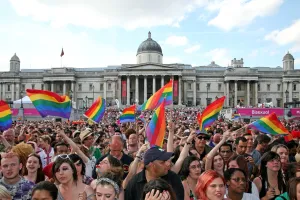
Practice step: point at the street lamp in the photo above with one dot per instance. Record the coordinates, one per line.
(86, 101)
(286, 96)
(21, 99)
(71, 95)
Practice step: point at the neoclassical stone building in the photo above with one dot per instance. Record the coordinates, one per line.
(130, 83)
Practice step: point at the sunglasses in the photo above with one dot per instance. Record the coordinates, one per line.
(202, 138)
(64, 156)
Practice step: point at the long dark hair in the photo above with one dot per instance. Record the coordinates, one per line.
(292, 187)
(64, 159)
(47, 186)
(39, 174)
(160, 185)
(268, 156)
(74, 157)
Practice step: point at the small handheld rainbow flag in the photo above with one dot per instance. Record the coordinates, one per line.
(210, 114)
(269, 125)
(49, 103)
(5, 116)
(166, 92)
(97, 110)
(236, 116)
(128, 114)
(156, 129)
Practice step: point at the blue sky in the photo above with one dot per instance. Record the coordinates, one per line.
(98, 33)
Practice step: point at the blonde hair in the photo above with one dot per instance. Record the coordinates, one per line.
(4, 193)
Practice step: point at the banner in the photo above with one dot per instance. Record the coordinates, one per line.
(175, 88)
(260, 111)
(124, 89)
(295, 112)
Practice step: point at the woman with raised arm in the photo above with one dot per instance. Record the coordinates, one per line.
(213, 159)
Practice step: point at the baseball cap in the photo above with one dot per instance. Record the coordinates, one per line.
(201, 133)
(156, 153)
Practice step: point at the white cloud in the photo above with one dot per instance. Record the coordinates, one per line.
(221, 56)
(289, 35)
(176, 40)
(192, 49)
(239, 13)
(129, 14)
(171, 60)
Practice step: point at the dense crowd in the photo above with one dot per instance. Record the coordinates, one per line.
(109, 161)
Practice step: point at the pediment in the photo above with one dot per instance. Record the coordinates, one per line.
(148, 67)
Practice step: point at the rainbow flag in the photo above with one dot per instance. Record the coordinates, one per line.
(97, 110)
(166, 92)
(5, 116)
(269, 125)
(128, 114)
(236, 116)
(156, 129)
(49, 103)
(210, 114)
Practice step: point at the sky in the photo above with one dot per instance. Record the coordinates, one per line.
(98, 33)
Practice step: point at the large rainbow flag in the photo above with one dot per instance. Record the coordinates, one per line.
(128, 114)
(210, 114)
(97, 110)
(49, 103)
(166, 92)
(156, 129)
(5, 116)
(269, 124)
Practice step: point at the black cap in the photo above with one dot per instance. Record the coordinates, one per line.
(156, 153)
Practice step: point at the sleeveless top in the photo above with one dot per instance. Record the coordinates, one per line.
(264, 189)
(192, 196)
(60, 197)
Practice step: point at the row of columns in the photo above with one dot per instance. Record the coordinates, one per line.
(145, 87)
(13, 87)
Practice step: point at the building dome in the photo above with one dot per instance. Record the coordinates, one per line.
(288, 56)
(15, 58)
(149, 45)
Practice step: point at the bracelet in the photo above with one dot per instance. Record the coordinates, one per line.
(188, 143)
(139, 157)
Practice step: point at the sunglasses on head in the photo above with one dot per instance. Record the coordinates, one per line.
(64, 156)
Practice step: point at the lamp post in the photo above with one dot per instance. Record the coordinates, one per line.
(21, 99)
(86, 101)
(233, 100)
(206, 94)
(286, 96)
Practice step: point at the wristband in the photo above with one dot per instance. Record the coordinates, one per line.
(188, 143)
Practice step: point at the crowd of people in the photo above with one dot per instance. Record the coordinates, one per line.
(48, 160)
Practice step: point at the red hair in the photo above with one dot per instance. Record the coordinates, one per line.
(203, 182)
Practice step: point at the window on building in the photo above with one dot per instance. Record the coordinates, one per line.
(278, 87)
(79, 87)
(294, 87)
(91, 87)
(189, 86)
(259, 100)
(219, 87)
(109, 86)
(101, 86)
(42, 86)
(198, 101)
(258, 87)
(32, 86)
(278, 102)
(80, 103)
(268, 100)
(8, 87)
(268, 87)
(208, 86)
(209, 101)
(23, 87)
(198, 86)
(61, 88)
(239, 87)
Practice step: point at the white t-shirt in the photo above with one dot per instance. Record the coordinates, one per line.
(44, 158)
(248, 196)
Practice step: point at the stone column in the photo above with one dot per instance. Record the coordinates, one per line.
(145, 89)
(3, 91)
(235, 93)
(255, 93)
(290, 84)
(104, 89)
(194, 93)
(299, 91)
(52, 86)
(128, 90)
(162, 80)
(154, 86)
(18, 90)
(248, 93)
(64, 88)
(179, 91)
(12, 91)
(137, 89)
(184, 92)
(227, 93)
(120, 89)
